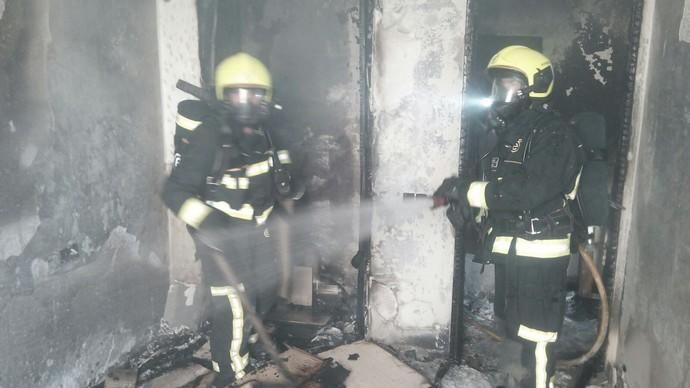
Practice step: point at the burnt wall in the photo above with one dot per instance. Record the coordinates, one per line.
(653, 339)
(82, 269)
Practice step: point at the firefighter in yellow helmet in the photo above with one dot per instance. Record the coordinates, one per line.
(522, 197)
(224, 185)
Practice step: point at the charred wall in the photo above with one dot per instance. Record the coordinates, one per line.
(83, 271)
(650, 341)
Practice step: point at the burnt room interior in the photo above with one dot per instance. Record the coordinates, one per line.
(378, 101)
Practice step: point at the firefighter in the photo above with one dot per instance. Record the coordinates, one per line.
(224, 185)
(527, 182)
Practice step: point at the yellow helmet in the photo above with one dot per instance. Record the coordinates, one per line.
(531, 64)
(242, 71)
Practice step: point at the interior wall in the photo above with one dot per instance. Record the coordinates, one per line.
(651, 337)
(311, 48)
(417, 82)
(178, 58)
(83, 272)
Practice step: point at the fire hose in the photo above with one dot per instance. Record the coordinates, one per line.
(604, 312)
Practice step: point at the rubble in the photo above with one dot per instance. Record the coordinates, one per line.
(169, 350)
(462, 376)
(327, 338)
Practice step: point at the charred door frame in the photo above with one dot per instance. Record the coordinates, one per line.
(615, 260)
(458, 291)
(363, 255)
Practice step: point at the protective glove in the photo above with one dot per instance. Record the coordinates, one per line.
(453, 192)
(459, 213)
(453, 189)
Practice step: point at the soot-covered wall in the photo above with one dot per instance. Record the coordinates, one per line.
(650, 337)
(83, 272)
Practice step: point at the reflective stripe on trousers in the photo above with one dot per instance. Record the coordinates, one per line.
(542, 340)
(238, 363)
(541, 249)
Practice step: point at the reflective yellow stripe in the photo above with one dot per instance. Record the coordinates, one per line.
(543, 249)
(571, 195)
(258, 168)
(223, 291)
(476, 194)
(216, 367)
(237, 362)
(237, 332)
(263, 217)
(502, 245)
(245, 213)
(284, 156)
(541, 360)
(193, 212)
(535, 335)
(187, 123)
(229, 182)
(542, 339)
(235, 183)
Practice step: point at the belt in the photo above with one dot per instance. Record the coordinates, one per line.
(555, 223)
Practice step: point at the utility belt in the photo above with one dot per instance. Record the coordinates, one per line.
(558, 222)
(546, 236)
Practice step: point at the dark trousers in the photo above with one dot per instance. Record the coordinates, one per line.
(530, 294)
(250, 254)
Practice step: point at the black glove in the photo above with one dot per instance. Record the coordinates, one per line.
(453, 189)
(459, 213)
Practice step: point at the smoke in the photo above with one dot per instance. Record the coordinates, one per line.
(325, 236)
(325, 230)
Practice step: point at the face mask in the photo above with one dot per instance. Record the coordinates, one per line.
(247, 106)
(509, 96)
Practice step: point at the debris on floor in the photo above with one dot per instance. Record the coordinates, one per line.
(178, 377)
(327, 338)
(500, 359)
(302, 367)
(170, 350)
(462, 376)
(319, 352)
(374, 367)
(121, 378)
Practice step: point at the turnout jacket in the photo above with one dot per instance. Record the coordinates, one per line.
(216, 179)
(528, 178)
